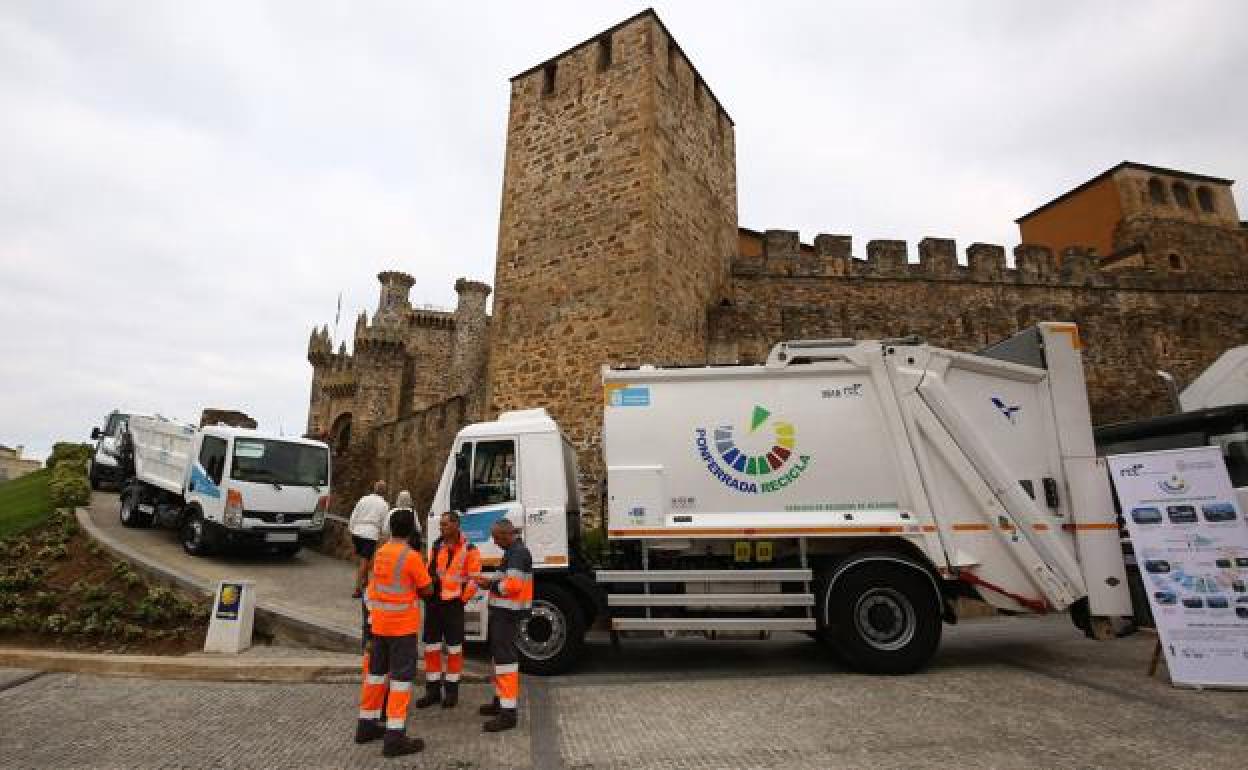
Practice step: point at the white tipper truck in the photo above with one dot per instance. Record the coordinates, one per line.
(221, 486)
(852, 490)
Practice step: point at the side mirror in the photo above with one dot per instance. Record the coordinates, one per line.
(95, 434)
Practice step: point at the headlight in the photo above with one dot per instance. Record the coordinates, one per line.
(233, 517)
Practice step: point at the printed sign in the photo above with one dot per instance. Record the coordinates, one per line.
(229, 600)
(476, 524)
(754, 462)
(1191, 544)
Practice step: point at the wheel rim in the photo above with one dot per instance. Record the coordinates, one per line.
(885, 618)
(543, 633)
(193, 535)
(127, 509)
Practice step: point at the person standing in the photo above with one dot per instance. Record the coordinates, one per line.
(399, 579)
(404, 502)
(456, 565)
(511, 598)
(365, 525)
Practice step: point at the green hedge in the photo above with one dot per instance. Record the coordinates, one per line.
(65, 453)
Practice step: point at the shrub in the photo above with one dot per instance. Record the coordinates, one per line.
(69, 491)
(52, 553)
(73, 457)
(55, 623)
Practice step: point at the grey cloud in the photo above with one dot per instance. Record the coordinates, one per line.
(186, 188)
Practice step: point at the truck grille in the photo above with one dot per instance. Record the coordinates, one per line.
(271, 517)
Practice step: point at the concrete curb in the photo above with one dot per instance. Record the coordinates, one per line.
(192, 667)
(196, 667)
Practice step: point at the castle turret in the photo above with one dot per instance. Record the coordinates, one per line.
(471, 344)
(393, 304)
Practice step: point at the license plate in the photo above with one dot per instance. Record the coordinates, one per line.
(281, 537)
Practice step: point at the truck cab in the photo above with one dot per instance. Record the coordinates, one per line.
(522, 468)
(224, 486)
(106, 463)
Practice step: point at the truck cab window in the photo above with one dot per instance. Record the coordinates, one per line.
(212, 457)
(493, 473)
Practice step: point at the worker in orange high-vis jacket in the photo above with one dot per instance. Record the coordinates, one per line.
(511, 598)
(456, 565)
(397, 582)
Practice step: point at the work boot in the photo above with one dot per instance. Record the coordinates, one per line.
(397, 744)
(450, 695)
(490, 709)
(505, 720)
(433, 694)
(368, 730)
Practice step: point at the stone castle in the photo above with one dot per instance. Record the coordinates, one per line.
(619, 244)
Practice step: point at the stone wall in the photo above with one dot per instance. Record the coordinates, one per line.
(618, 219)
(1132, 321)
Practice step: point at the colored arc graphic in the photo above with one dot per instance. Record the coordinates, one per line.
(756, 465)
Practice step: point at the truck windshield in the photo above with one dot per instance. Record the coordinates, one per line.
(280, 462)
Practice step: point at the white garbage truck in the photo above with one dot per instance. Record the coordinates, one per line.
(222, 486)
(852, 490)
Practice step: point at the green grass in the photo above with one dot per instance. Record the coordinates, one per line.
(24, 502)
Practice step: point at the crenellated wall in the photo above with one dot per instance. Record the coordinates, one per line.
(1133, 320)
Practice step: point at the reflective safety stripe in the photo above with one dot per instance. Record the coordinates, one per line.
(507, 703)
(518, 573)
(400, 686)
(506, 668)
(452, 677)
(396, 724)
(370, 713)
(455, 649)
(395, 586)
(375, 679)
(433, 676)
(509, 604)
(374, 604)
(433, 647)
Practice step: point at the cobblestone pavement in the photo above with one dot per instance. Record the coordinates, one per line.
(311, 584)
(1018, 692)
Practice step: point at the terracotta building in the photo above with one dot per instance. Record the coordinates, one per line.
(619, 244)
(1114, 214)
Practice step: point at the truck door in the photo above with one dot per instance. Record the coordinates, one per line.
(485, 490)
(207, 472)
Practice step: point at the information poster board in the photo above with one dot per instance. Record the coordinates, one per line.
(1191, 544)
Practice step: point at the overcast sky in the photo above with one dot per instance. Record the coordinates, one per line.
(186, 188)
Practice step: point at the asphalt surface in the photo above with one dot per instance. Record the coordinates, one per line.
(1011, 692)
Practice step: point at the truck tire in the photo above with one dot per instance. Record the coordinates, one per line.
(194, 534)
(129, 512)
(93, 478)
(552, 637)
(287, 551)
(882, 616)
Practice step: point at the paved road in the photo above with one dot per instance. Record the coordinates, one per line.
(1018, 692)
(311, 584)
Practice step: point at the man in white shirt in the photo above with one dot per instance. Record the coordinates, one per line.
(365, 526)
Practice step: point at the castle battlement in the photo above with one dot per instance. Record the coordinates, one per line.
(831, 256)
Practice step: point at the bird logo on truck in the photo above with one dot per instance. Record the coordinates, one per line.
(757, 462)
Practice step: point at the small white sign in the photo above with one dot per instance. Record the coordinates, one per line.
(233, 616)
(1191, 545)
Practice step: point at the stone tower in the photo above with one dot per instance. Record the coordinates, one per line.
(470, 346)
(618, 224)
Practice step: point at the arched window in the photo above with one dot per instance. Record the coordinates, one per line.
(1204, 196)
(340, 433)
(1182, 195)
(1176, 262)
(1156, 190)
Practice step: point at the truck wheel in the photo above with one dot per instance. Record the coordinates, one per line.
(552, 637)
(195, 539)
(93, 478)
(131, 516)
(882, 617)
